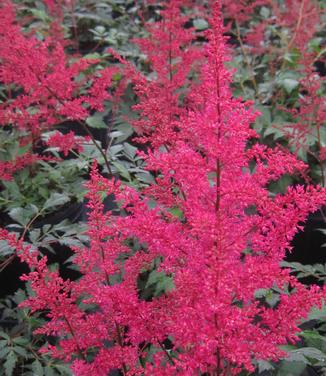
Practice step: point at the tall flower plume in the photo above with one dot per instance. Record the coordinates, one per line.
(221, 252)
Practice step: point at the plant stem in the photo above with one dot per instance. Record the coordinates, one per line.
(166, 352)
(74, 337)
(120, 342)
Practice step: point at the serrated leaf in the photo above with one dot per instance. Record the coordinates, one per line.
(34, 235)
(56, 199)
(289, 84)
(264, 12)
(116, 134)
(115, 149)
(4, 352)
(263, 365)
(63, 369)
(37, 368)
(23, 215)
(292, 368)
(161, 281)
(5, 249)
(23, 149)
(200, 24)
(3, 343)
(10, 363)
(122, 170)
(48, 371)
(130, 150)
(96, 121)
(164, 285)
(20, 351)
(272, 299)
(145, 177)
(21, 340)
(4, 335)
(305, 354)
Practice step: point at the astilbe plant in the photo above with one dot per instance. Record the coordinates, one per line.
(221, 251)
(303, 20)
(173, 55)
(285, 37)
(43, 85)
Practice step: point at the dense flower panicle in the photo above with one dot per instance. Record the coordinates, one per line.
(173, 55)
(65, 142)
(298, 22)
(46, 80)
(241, 10)
(44, 85)
(8, 168)
(301, 17)
(221, 250)
(310, 114)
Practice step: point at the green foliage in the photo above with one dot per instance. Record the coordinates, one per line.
(318, 271)
(42, 184)
(153, 283)
(19, 348)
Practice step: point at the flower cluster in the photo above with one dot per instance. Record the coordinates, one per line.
(173, 56)
(43, 84)
(208, 225)
(8, 168)
(65, 142)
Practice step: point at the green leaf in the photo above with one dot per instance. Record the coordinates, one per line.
(37, 368)
(122, 170)
(291, 368)
(306, 354)
(264, 120)
(264, 12)
(200, 24)
(289, 84)
(90, 56)
(115, 149)
(3, 343)
(10, 363)
(56, 199)
(4, 352)
(161, 281)
(272, 299)
(63, 369)
(49, 371)
(318, 314)
(4, 335)
(96, 121)
(20, 351)
(130, 150)
(23, 215)
(21, 341)
(24, 149)
(177, 212)
(263, 365)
